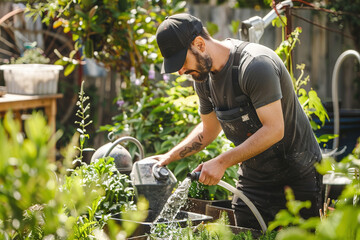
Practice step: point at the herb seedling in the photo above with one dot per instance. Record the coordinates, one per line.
(83, 123)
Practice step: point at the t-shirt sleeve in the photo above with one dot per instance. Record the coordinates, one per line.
(205, 106)
(261, 81)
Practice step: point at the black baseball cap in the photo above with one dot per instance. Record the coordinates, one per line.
(174, 36)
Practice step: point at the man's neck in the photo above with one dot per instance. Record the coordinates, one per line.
(219, 53)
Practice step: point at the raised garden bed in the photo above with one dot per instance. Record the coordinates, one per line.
(181, 218)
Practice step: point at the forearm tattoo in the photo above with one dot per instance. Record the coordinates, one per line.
(195, 146)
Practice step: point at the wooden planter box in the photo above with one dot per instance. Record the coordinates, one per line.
(236, 230)
(216, 212)
(181, 219)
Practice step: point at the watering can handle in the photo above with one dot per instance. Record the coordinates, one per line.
(122, 139)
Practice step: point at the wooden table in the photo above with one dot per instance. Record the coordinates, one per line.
(17, 103)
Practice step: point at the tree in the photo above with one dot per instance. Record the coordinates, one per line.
(119, 33)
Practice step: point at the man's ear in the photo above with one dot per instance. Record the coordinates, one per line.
(199, 44)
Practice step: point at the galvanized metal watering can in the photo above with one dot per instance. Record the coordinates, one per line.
(122, 158)
(153, 182)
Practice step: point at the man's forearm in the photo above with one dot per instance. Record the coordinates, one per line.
(192, 144)
(201, 136)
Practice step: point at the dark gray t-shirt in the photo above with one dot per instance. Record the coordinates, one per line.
(264, 79)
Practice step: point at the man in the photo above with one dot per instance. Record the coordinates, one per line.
(246, 91)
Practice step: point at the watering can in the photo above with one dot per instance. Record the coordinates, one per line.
(150, 180)
(154, 182)
(122, 158)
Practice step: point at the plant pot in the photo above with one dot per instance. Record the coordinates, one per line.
(31, 79)
(235, 230)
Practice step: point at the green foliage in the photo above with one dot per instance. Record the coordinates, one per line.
(291, 215)
(309, 100)
(117, 189)
(342, 222)
(217, 230)
(33, 55)
(287, 45)
(256, 4)
(311, 104)
(346, 12)
(31, 203)
(212, 28)
(37, 203)
(114, 194)
(234, 27)
(159, 119)
(118, 33)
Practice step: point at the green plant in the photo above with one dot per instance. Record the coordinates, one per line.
(83, 123)
(114, 195)
(256, 4)
(311, 104)
(217, 230)
(38, 199)
(117, 188)
(32, 55)
(31, 203)
(119, 34)
(158, 119)
(115, 191)
(342, 222)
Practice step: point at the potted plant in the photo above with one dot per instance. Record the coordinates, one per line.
(31, 74)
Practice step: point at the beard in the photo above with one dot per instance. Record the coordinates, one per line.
(203, 66)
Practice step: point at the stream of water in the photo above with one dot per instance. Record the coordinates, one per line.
(171, 209)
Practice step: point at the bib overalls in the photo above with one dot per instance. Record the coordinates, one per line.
(239, 124)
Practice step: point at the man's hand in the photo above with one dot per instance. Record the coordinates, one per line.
(211, 171)
(163, 159)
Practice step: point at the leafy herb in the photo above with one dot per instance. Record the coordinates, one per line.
(33, 55)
